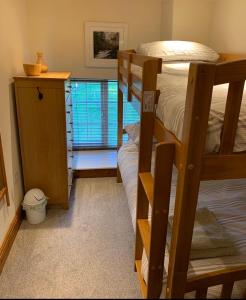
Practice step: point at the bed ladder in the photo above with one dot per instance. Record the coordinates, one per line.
(154, 192)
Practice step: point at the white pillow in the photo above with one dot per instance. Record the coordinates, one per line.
(178, 50)
(133, 132)
(176, 69)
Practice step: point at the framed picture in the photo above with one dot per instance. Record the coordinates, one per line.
(102, 41)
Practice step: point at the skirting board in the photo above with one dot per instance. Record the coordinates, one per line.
(93, 173)
(10, 237)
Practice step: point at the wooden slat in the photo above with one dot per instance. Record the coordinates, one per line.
(144, 229)
(137, 93)
(147, 182)
(232, 111)
(230, 72)
(136, 79)
(201, 293)
(231, 56)
(219, 167)
(124, 54)
(124, 72)
(140, 60)
(3, 193)
(225, 276)
(163, 135)
(143, 287)
(227, 290)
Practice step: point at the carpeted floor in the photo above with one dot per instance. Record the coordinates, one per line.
(86, 252)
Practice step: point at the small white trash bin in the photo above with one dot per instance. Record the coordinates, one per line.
(34, 204)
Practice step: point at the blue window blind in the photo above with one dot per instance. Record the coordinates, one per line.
(95, 113)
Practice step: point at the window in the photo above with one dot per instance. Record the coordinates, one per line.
(95, 114)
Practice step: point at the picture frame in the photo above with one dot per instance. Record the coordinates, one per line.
(102, 41)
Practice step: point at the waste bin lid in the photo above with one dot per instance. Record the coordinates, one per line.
(34, 197)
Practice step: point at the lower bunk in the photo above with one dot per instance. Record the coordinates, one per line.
(225, 199)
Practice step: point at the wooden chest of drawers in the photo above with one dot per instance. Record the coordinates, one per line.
(44, 110)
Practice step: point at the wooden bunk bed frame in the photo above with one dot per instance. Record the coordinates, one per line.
(192, 163)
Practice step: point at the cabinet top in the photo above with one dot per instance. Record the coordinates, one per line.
(49, 75)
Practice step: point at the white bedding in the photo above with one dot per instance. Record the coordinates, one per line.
(226, 199)
(171, 105)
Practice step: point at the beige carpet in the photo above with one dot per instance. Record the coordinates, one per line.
(86, 252)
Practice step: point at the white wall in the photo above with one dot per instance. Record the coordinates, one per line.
(57, 29)
(228, 29)
(167, 20)
(12, 54)
(192, 20)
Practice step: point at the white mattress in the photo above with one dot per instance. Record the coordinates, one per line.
(171, 105)
(226, 199)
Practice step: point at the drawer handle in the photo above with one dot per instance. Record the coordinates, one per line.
(69, 131)
(40, 95)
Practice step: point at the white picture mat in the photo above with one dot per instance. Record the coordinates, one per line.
(91, 27)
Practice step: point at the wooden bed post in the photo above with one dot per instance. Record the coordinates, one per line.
(145, 148)
(120, 113)
(198, 101)
(123, 57)
(120, 128)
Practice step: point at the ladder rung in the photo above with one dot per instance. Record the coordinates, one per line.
(143, 286)
(148, 185)
(144, 229)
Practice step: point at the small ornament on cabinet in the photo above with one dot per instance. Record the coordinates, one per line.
(40, 60)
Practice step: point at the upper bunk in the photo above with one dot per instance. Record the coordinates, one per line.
(207, 97)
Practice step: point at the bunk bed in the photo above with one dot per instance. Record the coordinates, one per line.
(167, 180)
